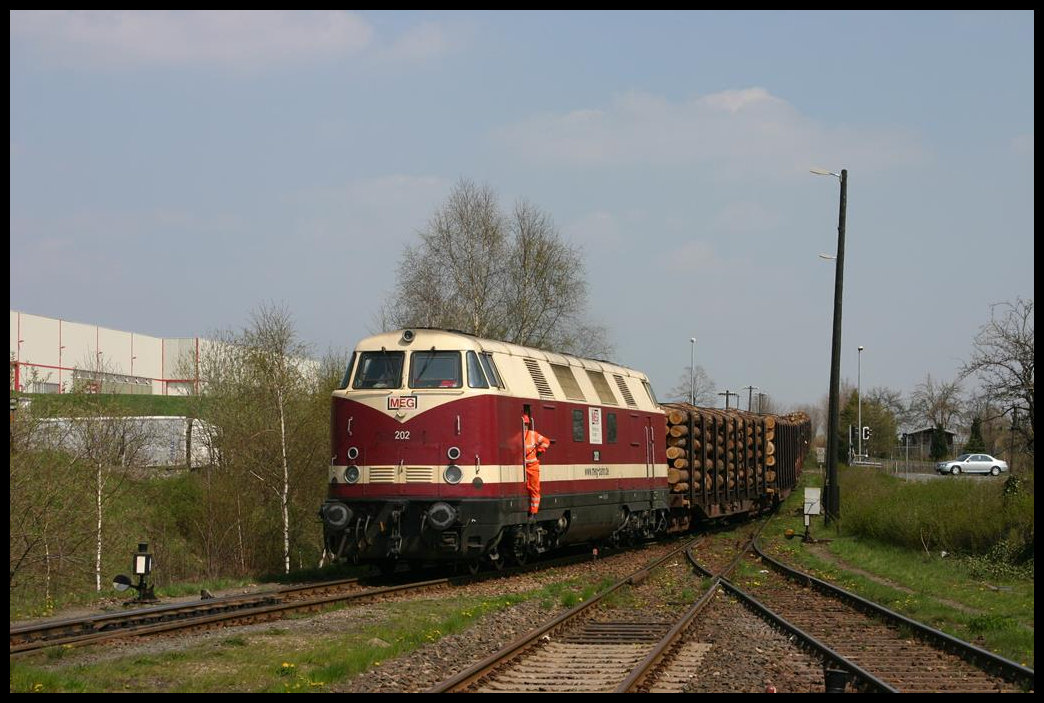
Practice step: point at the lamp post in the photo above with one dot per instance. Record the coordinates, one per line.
(692, 371)
(859, 398)
(832, 502)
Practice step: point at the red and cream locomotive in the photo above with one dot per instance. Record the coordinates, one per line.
(429, 461)
(428, 457)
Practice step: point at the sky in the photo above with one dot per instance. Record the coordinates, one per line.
(173, 171)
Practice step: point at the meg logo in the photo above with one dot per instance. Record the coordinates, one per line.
(402, 402)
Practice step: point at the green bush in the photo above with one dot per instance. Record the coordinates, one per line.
(981, 519)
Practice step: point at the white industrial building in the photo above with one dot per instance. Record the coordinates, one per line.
(50, 355)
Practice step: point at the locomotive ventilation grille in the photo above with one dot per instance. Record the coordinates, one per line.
(624, 390)
(409, 474)
(543, 387)
(420, 474)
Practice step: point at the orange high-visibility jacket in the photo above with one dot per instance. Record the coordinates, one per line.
(536, 444)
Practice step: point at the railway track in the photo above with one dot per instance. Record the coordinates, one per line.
(203, 614)
(593, 647)
(647, 633)
(654, 631)
(613, 641)
(869, 646)
(213, 613)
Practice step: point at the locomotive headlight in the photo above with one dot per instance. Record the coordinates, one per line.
(353, 452)
(351, 474)
(453, 474)
(337, 515)
(453, 453)
(441, 516)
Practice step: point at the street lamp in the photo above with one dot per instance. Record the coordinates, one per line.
(692, 371)
(832, 502)
(859, 399)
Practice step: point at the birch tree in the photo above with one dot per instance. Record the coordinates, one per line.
(268, 400)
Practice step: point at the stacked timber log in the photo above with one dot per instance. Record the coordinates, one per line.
(728, 457)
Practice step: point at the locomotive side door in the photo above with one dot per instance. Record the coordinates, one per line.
(650, 449)
(648, 438)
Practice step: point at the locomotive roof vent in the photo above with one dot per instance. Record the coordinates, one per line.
(407, 336)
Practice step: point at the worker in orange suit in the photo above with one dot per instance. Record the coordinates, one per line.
(535, 446)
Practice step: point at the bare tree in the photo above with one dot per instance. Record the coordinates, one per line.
(508, 277)
(937, 402)
(1003, 360)
(702, 388)
(890, 401)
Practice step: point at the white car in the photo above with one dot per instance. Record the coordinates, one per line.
(972, 464)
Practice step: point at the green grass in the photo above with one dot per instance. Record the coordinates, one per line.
(67, 404)
(981, 597)
(275, 660)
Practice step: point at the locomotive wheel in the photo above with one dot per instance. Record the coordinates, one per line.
(473, 566)
(519, 549)
(497, 560)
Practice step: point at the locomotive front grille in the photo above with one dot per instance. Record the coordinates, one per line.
(420, 474)
(408, 474)
(382, 474)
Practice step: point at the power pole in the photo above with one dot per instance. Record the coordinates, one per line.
(750, 395)
(727, 393)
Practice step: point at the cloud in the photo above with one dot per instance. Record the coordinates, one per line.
(426, 41)
(737, 132)
(691, 258)
(236, 38)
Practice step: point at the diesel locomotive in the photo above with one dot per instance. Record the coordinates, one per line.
(428, 459)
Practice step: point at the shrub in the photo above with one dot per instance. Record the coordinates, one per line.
(983, 519)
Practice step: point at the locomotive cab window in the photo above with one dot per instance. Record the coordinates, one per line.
(649, 390)
(491, 369)
(347, 373)
(380, 369)
(435, 369)
(476, 377)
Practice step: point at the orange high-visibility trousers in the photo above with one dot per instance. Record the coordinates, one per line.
(533, 486)
(534, 445)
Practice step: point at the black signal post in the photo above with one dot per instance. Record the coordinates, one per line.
(832, 497)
